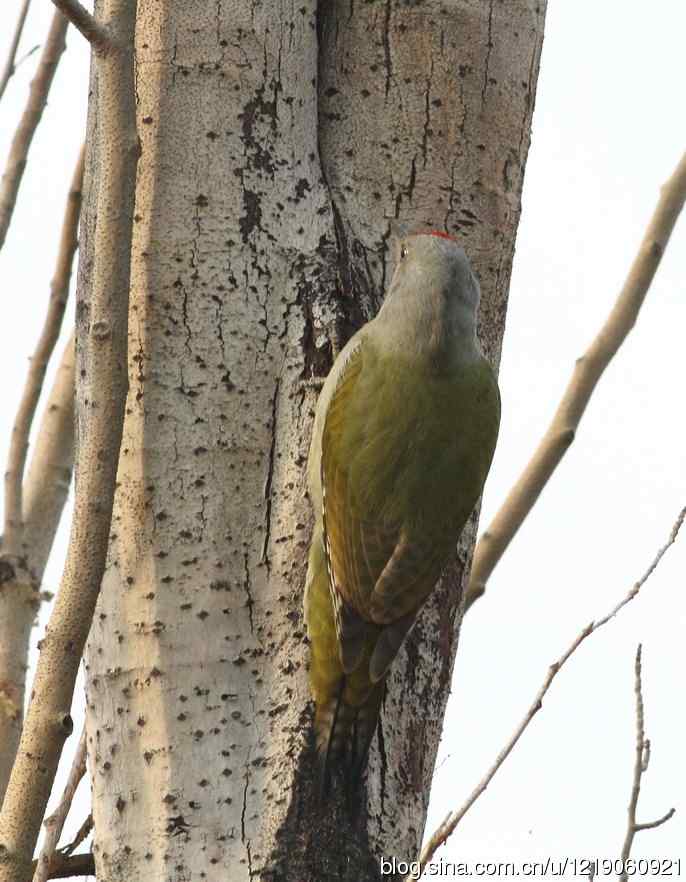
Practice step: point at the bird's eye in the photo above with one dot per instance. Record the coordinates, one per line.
(403, 252)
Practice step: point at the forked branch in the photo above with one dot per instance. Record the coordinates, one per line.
(642, 757)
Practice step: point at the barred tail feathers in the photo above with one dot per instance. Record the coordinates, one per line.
(345, 722)
(347, 706)
(366, 717)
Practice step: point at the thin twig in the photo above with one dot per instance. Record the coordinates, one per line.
(96, 33)
(82, 833)
(641, 760)
(55, 823)
(451, 821)
(10, 65)
(102, 336)
(585, 377)
(59, 293)
(26, 56)
(21, 143)
(651, 825)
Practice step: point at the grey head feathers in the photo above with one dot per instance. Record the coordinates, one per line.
(432, 302)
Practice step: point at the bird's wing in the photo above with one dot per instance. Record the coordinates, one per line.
(378, 574)
(409, 575)
(351, 562)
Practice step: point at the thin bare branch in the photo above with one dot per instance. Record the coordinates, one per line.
(30, 529)
(47, 484)
(446, 828)
(66, 866)
(10, 65)
(45, 494)
(97, 34)
(21, 143)
(102, 331)
(641, 760)
(651, 825)
(585, 377)
(26, 56)
(671, 539)
(55, 823)
(82, 833)
(59, 293)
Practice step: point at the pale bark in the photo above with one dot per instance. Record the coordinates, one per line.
(102, 319)
(21, 143)
(265, 193)
(425, 118)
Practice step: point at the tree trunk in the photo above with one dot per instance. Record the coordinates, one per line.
(278, 148)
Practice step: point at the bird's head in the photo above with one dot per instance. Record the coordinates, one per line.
(434, 292)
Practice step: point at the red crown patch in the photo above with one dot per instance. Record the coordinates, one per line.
(438, 233)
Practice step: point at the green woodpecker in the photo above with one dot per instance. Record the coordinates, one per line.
(403, 438)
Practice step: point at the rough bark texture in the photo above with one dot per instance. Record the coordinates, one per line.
(277, 150)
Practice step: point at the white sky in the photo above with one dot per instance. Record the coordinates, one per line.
(608, 130)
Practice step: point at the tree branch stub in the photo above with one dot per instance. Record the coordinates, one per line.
(98, 35)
